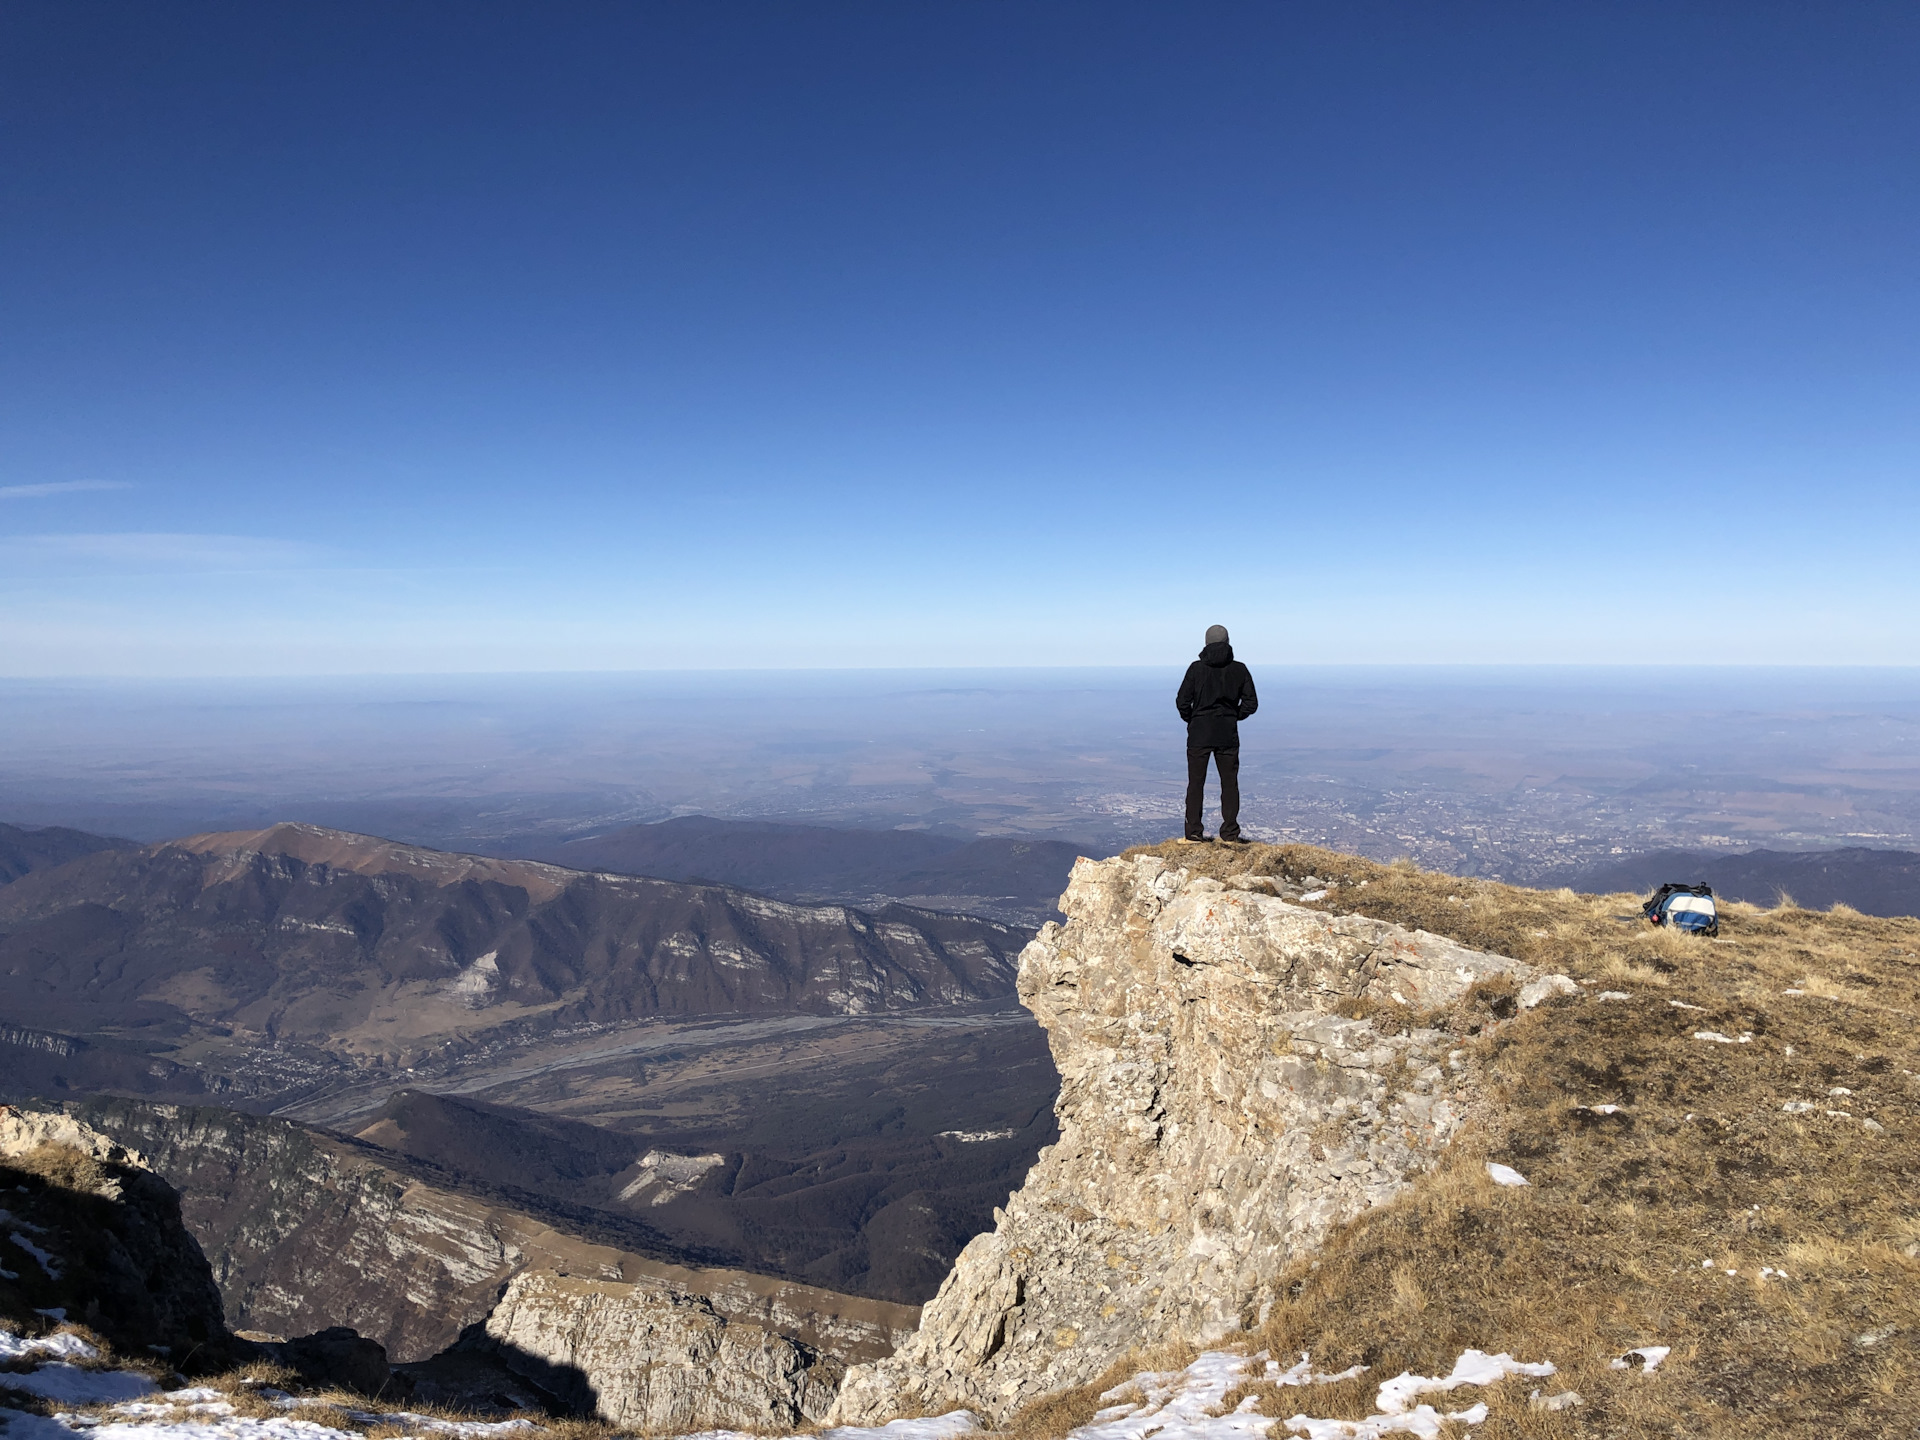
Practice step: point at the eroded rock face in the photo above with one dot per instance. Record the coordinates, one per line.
(656, 1358)
(305, 1230)
(90, 1233)
(1217, 1117)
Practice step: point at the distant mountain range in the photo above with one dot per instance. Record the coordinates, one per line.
(1875, 882)
(24, 851)
(1008, 877)
(273, 961)
(831, 1094)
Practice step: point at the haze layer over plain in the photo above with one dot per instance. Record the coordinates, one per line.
(1514, 772)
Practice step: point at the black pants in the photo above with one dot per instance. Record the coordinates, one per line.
(1227, 762)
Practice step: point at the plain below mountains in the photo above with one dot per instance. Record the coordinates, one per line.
(1874, 882)
(268, 964)
(1006, 877)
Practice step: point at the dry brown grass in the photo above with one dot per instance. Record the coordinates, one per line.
(1049, 1417)
(1604, 1250)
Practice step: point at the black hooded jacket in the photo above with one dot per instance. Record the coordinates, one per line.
(1214, 698)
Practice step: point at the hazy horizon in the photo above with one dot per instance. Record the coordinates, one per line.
(1510, 770)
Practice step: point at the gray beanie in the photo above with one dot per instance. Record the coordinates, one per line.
(1216, 634)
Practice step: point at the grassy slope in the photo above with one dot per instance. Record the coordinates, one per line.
(1604, 1250)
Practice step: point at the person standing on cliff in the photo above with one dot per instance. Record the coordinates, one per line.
(1215, 697)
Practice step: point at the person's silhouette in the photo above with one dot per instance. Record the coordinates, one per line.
(1216, 695)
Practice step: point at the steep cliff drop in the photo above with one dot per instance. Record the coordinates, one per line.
(1218, 1116)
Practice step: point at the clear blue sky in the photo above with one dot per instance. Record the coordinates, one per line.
(356, 337)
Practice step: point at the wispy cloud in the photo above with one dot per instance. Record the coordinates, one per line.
(147, 551)
(58, 487)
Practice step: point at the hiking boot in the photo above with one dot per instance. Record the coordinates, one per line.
(1197, 839)
(1236, 839)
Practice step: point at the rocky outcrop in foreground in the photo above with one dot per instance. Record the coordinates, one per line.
(87, 1233)
(1218, 1116)
(306, 1230)
(657, 1358)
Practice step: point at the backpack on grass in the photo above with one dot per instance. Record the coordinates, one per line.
(1684, 907)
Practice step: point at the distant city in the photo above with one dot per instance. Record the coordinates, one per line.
(1524, 774)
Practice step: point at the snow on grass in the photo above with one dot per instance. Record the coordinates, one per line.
(1746, 1037)
(1180, 1404)
(1505, 1175)
(63, 1347)
(25, 1425)
(1303, 1374)
(1650, 1358)
(46, 1261)
(70, 1385)
(434, 1425)
(1474, 1367)
(234, 1427)
(933, 1427)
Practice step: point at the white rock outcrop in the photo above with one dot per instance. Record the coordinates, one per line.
(653, 1358)
(1217, 1117)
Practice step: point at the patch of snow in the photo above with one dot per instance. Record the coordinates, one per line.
(226, 1427)
(72, 1347)
(1502, 1175)
(1565, 1400)
(46, 1261)
(1650, 1356)
(24, 1425)
(1793, 992)
(1177, 1405)
(1423, 1421)
(1874, 1337)
(1839, 1090)
(1746, 1037)
(1303, 1373)
(974, 1137)
(933, 1427)
(1613, 995)
(1682, 1005)
(1797, 1107)
(1474, 1367)
(1768, 1270)
(70, 1385)
(1314, 895)
(470, 1429)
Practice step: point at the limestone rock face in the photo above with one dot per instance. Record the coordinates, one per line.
(306, 1230)
(90, 1232)
(658, 1359)
(1217, 1118)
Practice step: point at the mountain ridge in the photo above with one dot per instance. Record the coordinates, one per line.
(263, 961)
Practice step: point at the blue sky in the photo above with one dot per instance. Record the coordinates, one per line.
(362, 337)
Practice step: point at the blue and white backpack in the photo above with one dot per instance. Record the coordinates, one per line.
(1684, 907)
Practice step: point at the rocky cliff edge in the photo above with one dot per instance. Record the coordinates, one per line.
(1223, 1104)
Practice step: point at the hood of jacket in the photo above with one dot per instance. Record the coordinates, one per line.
(1217, 654)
